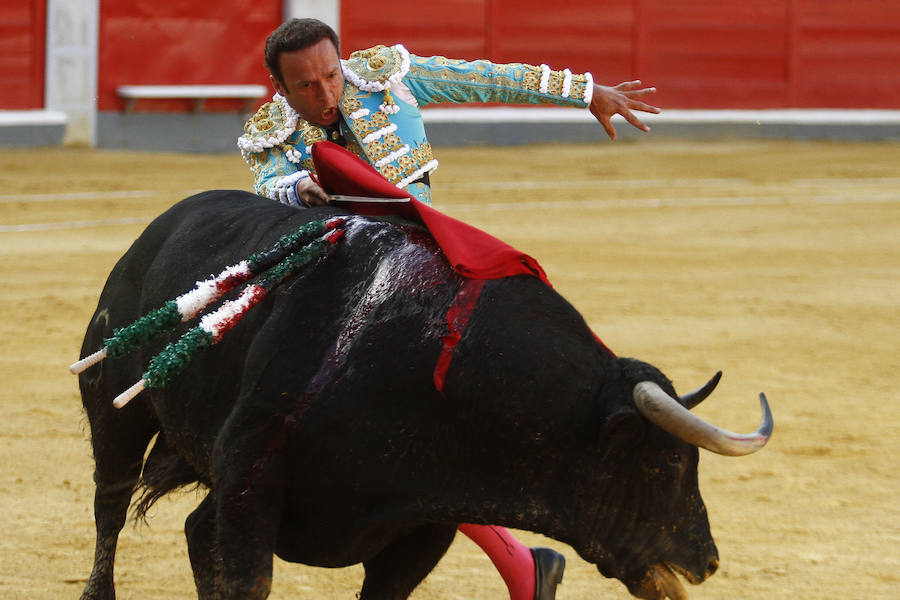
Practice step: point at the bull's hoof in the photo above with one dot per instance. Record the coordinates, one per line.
(548, 572)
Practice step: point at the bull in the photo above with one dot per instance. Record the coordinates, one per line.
(322, 436)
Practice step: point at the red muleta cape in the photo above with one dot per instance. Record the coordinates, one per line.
(472, 253)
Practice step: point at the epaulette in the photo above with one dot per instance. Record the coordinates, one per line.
(272, 124)
(375, 69)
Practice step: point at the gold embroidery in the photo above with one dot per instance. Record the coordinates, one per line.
(363, 127)
(518, 76)
(376, 64)
(368, 52)
(393, 141)
(355, 149)
(406, 163)
(579, 84)
(380, 120)
(376, 150)
(388, 99)
(423, 154)
(350, 104)
(391, 173)
(311, 133)
(266, 120)
(554, 86)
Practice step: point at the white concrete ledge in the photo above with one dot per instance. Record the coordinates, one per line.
(798, 116)
(27, 118)
(191, 91)
(198, 94)
(32, 128)
(793, 116)
(522, 125)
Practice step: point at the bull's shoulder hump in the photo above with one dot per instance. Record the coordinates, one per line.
(211, 219)
(219, 205)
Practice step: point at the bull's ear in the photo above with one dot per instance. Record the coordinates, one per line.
(622, 431)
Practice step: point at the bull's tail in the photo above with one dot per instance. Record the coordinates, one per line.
(164, 471)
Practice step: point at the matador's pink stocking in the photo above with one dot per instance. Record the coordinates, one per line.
(512, 559)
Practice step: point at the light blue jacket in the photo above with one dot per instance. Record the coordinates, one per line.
(384, 88)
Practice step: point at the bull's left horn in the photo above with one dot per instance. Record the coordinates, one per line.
(692, 399)
(663, 410)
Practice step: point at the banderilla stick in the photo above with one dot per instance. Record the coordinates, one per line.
(185, 307)
(213, 326)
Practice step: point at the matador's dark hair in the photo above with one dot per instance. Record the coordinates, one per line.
(296, 34)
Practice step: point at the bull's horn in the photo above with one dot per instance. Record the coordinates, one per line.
(665, 411)
(692, 399)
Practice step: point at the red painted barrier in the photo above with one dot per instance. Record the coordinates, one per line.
(168, 42)
(22, 40)
(748, 54)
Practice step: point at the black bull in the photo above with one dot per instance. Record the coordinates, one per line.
(318, 430)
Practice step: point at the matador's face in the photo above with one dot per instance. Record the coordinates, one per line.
(313, 82)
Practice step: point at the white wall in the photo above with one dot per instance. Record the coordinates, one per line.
(327, 11)
(71, 72)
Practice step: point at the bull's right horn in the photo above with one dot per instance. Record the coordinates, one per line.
(666, 412)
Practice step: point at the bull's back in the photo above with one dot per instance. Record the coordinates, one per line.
(195, 238)
(297, 325)
(184, 241)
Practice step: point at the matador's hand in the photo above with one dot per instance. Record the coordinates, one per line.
(310, 194)
(621, 99)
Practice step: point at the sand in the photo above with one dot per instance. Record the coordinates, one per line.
(778, 262)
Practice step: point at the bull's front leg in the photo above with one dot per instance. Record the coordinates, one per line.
(245, 544)
(248, 495)
(199, 529)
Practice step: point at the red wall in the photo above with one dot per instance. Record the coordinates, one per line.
(22, 42)
(846, 53)
(700, 54)
(147, 42)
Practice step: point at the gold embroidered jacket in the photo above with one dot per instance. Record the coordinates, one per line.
(384, 88)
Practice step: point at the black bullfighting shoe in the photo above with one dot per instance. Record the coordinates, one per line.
(548, 572)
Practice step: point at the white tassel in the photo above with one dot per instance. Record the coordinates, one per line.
(545, 79)
(567, 83)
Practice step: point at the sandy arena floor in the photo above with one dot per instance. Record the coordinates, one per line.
(776, 262)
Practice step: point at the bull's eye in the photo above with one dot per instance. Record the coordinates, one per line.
(675, 459)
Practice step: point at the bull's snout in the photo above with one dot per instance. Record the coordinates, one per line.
(661, 581)
(699, 573)
(711, 568)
